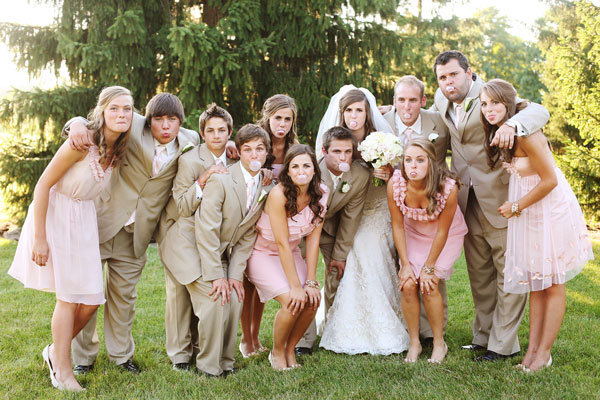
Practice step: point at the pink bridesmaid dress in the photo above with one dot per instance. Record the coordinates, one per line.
(420, 229)
(264, 267)
(549, 242)
(74, 269)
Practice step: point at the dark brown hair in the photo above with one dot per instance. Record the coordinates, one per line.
(290, 190)
(248, 133)
(337, 133)
(503, 92)
(351, 97)
(214, 111)
(164, 104)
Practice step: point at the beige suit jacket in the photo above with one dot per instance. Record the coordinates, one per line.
(133, 188)
(431, 122)
(469, 159)
(177, 244)
(225, 233)
(344, 209)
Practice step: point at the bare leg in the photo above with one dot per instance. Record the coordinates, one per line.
(554, 312)
(411, 308)
(302, 323)
(83, 313)
(434, 306)
(537, 309)
(246, 345)
(284, 322)
(257, 313)
(60, 352)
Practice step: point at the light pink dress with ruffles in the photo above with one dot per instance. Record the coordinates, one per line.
(74, 269)
(420, 229)
(549, 243)
(264, 266)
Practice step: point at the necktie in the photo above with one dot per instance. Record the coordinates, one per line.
(459, 113)
(249, 193)
(219, 162)
(157, 162)
(336, 182)
(408, 135)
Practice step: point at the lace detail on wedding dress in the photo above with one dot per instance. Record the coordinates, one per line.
(365, 316)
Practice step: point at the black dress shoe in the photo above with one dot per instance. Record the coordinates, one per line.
(129, 366)
(493, 356)
(82, 369)
(206, 374)
(303, 351)
(427, 342)
(473, 347)
(228, 372)
(182, 366)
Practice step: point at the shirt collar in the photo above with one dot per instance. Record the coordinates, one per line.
(247, 176)
(222, 157)
(416, 127)
(171, 146)
(460, 104)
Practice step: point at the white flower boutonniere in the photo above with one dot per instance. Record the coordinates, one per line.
(187, 147)
(469, 103)
(262, 196)
(344, 187)
(432, 137)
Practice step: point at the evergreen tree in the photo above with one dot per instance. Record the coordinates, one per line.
(569, 41)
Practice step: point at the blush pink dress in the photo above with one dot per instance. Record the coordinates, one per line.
(264, 266)
(549, 243)
(420, 229)
(74, 269)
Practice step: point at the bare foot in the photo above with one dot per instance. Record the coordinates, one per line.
(527, 360)
(413, 353)
(290, 357)
(278, 363)
(66, 380)
(439, 353)
(259, 348)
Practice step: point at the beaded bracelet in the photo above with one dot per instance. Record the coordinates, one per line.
(312, 284)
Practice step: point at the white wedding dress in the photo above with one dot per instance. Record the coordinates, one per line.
(366, 316)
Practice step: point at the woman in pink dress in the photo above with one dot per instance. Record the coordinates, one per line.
(279, 114)
(547, 239)
(295, 209)
(428, 231)
(58, 250)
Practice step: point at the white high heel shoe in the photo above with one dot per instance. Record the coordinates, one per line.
(46, 357)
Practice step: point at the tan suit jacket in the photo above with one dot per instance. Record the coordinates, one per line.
(177, 241)
(431, 122)
(344, 209)
(469, 159)
(225, 233)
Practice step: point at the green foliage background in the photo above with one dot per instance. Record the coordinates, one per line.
(238, 53)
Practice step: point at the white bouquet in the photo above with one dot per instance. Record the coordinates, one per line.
(381, 148)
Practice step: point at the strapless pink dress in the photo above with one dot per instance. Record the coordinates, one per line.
(264, 268)
(549, 243)
(74, 269)
(420, 229)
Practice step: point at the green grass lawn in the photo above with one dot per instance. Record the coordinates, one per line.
(25, 330)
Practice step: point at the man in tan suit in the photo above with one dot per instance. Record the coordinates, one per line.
(225, 236)
(347, 182)
(177, 241)
(408, 121)
(128, 213)
(497, 313)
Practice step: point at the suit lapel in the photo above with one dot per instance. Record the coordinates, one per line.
(474, 94)
(427, 126)
(148, 149)
(326, 179)
(239, 185)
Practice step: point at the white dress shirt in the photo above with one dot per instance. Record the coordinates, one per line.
(223, 158)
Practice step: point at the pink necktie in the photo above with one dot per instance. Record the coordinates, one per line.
(407, 135)
(157, 162)
(249, 193)
(218, 162)
(458, 110)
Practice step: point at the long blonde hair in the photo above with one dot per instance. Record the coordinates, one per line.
(436, 176)
(96, 124)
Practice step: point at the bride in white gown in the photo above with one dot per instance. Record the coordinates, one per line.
(365, 316)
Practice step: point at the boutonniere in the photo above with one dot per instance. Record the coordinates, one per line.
(344, 187)
(469, 103)
(262, 196)
(187, 147)
(432, 137)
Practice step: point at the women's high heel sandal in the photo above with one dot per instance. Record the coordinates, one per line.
(548, 363)
(273, 364)
(246, 355)
(46, 357)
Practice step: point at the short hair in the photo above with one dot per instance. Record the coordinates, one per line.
(412, 81)
(164, 104)
(337, 133)
(214, 111)
(445, 57)
(250, 132)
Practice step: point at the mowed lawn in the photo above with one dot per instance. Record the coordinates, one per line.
(25, 330)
